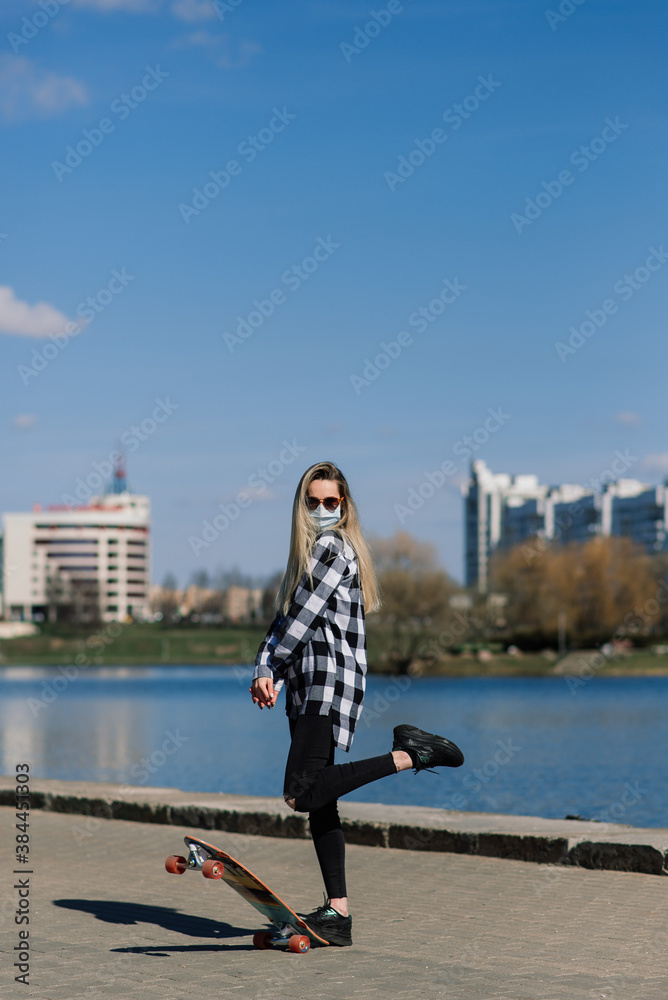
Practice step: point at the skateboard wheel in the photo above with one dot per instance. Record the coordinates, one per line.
(213, 869)
(262, 940)
(299, 943)
(175, 864)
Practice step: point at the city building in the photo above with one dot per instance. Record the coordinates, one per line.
(497, 507)
(637, 511)
(82, 564)
(234, 604)
(501, 511)
(243, 604)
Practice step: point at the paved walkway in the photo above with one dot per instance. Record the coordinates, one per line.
(108, 921)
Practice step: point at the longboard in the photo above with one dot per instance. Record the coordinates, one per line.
(290, 930)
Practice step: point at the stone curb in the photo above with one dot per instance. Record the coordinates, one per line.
(608, 846)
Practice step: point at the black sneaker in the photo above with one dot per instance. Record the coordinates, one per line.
(329, 924)
(425, 750)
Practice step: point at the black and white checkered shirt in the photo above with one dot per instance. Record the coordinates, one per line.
(319, 648)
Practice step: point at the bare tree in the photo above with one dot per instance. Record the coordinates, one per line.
(82, 605)
(595, 587)
(269, 592)
(659, 570)
(168, 600)
(415, 593)
(200, 578)
(55, 593)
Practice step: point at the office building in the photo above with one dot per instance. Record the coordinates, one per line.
(501, 511)
(80, 564)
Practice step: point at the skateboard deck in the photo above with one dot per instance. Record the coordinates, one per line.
(290, 931)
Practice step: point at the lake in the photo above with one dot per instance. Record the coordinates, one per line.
(532, 745)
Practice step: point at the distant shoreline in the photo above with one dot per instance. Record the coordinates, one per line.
(140, 645)
(451, 670)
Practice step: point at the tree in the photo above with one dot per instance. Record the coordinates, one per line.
(83, 604)
(231, 578)
(200, 578)
(55, 591)
(168, 600)
(659, 570)
(269, 592)
(601, 587)
(415, 593)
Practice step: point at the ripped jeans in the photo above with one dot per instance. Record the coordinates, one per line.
(316, 782)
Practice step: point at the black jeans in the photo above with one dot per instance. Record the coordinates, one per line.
(316, 782)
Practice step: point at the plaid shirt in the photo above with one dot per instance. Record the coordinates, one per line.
(319, 648)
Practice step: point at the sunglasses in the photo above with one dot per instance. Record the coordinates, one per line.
(329, 503)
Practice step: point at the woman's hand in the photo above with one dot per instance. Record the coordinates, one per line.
(262, 692)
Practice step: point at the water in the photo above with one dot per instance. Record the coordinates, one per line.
(532, 747)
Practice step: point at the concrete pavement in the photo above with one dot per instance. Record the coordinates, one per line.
(108, 921)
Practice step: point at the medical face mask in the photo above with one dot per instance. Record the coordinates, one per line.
(325, 518)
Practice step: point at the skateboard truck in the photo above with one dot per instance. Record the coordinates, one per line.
(284, 936)
(196, 857)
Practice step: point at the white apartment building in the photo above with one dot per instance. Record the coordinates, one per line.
(78, 562)
(637, 511)
(491, 504)
(501, 511)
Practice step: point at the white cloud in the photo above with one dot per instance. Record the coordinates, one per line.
(193, 11)
(130, 6)
(628, 418)
(26, 91)
(22, 320)
(245, 51)
(226, 53)
(201, 39)
(24, 421)
(657, 463)
(190, 11)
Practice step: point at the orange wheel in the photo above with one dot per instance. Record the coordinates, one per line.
(213, 869)
(175, 864)
(262, 940)
(299, 943)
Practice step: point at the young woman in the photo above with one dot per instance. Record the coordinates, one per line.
(316, 645)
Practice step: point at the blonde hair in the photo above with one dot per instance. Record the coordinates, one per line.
(304, 531)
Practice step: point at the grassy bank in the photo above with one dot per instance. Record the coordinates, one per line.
(136, 645)
(576, 665)
(150, 645)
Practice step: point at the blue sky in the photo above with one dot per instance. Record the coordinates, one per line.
(338, 100)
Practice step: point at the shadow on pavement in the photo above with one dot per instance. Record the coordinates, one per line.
(167, 950)
(113, 912)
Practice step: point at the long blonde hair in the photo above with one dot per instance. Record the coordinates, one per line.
(304, 531)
